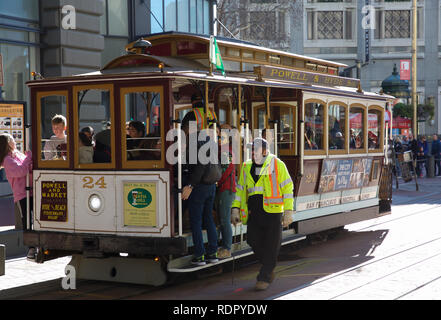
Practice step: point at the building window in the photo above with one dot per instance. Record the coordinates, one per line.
(330, 25)
(25, 9)
(170, 15)
(259, 30)
(114, 21)
(323, 25)
(156, 16)
(397, 24)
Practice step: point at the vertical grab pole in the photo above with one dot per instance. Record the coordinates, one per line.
(178, 122)
(387, 144)
(179, 178)
(28, 189)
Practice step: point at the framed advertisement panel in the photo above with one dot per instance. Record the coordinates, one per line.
(12, 121)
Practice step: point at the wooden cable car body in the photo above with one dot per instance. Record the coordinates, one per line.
(119, 216)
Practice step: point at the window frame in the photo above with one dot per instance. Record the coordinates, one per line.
(364, 126)
(346, 126)
(104, 165)
(381, 128)
(286, 104)
(64, 164)
(141, 164)
(322, 151)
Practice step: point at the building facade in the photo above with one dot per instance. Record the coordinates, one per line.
(67, 37)
(337, 30)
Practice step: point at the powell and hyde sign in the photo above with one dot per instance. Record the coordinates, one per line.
(276, 73)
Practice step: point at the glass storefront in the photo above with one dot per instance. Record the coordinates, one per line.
(156, 16)
(19, 43)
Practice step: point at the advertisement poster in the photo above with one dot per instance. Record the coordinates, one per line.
(53, 201)
(357, 174)
(344, 171)
(344, 174)
(140, 204)
(328, 176)
(12, 122)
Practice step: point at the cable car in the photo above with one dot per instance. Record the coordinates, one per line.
(114, 202)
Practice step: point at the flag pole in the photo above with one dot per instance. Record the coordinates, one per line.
(210, 56)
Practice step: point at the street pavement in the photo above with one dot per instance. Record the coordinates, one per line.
(380, 277)
(403, 262)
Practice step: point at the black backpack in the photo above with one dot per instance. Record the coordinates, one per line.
(212, 173)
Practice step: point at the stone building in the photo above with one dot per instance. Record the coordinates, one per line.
(334, 30)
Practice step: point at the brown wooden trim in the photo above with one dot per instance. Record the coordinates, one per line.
(52, 163)
(380, 126)
(75, 90)
(346, 125)
(142, 164)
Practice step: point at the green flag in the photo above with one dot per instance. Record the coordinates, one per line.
(215, 56)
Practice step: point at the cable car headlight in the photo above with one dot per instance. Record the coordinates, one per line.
(95, 203)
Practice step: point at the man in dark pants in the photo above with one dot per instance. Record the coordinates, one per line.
(264, 200)
(436, 152)
(200, 196)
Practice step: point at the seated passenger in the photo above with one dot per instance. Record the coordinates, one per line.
(309, 143)
(153, 146)
(102, 151)
(56, 147)
(135, 140)
(85, 150)
(89, 132)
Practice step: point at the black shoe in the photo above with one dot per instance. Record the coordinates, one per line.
(198, 261)
(212, 258)
(32, 253)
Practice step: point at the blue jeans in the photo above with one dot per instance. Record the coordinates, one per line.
(223, 202)
(200, 207)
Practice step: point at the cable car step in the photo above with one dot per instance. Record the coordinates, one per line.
(239, 250)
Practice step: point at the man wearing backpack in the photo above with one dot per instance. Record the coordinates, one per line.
(200, 191)
(264, 200)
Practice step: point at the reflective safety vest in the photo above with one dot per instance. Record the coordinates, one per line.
(275, 184)
(200, 113)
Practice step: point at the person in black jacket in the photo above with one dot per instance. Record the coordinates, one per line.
(200, 198)
(436, 152)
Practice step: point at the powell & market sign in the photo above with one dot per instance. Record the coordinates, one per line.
(283, 74)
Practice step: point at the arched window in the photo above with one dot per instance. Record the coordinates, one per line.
(357, 140)
(337, 116)
(314, 125)
(375, 130)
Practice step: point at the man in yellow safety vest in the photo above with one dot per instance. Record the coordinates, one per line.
(198, 113)
(264, 201)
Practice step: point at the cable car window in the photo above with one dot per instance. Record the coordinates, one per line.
(53, 130)
(285, 134)
(314, 119)
(374, 129)
(356, 125)
(143, 123)
(94, 126)
(336, 127)
(225, 105)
